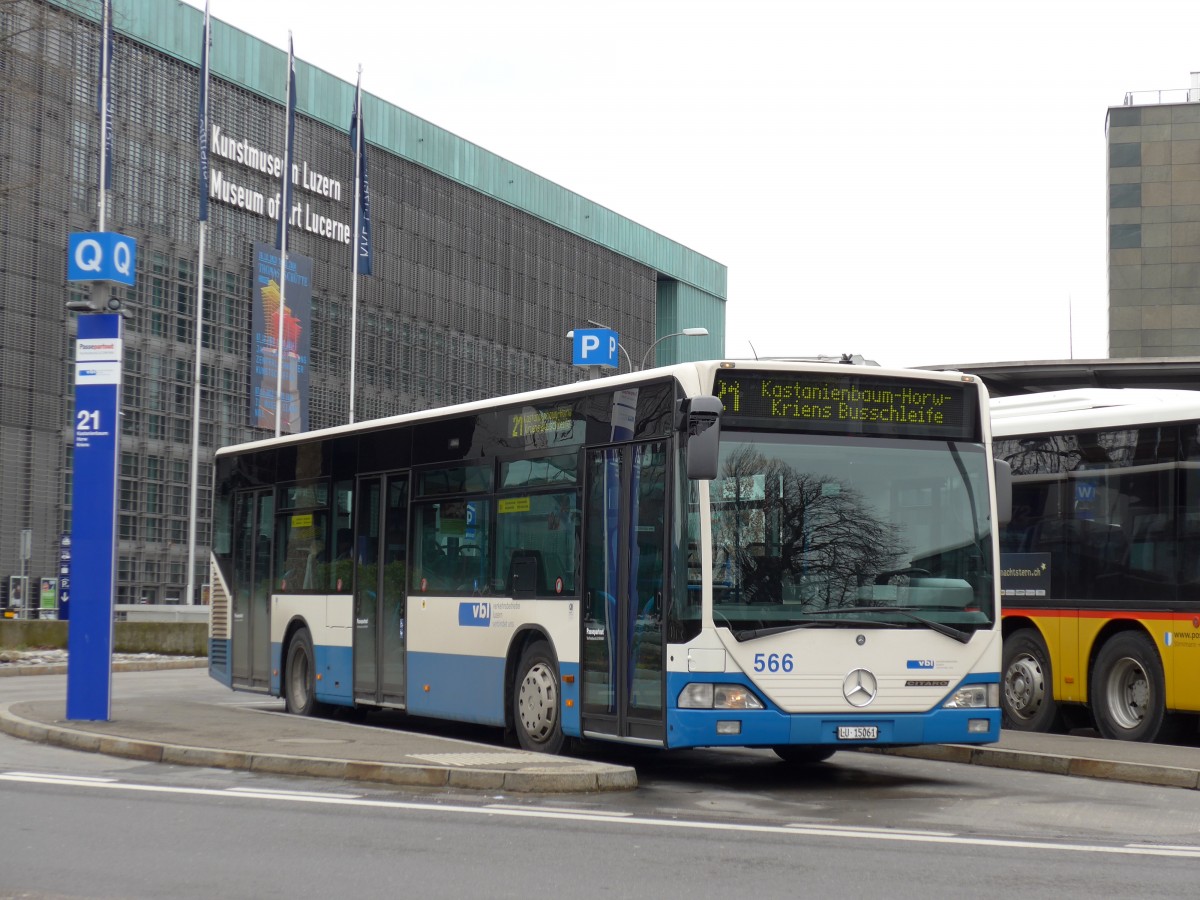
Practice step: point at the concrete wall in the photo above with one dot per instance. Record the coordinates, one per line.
(168, 638)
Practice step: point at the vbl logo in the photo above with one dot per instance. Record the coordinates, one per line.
(478, 613)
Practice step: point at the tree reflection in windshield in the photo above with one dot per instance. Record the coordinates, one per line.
(779, 533)
(801, 524)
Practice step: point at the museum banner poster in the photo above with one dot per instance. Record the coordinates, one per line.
(297, 340)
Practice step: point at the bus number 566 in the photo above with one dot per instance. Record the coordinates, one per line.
(773, 662)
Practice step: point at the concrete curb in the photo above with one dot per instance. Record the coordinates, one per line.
(10, 670)
(1049, 764)
(548, 779)
(562, 778)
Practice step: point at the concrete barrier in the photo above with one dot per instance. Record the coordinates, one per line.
(167, 638)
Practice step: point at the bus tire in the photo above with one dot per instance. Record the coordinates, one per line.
(1027, 699)
(803, 756)
(537, 700)
(300, 676)
(1128, 691)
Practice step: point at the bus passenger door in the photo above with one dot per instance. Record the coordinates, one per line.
(380, 564)
(254, 518)
(624, 589)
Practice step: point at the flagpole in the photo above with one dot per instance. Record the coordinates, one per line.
(202, 143)
(105, 60)
(358, 144)
(101, 290)
(285, 211)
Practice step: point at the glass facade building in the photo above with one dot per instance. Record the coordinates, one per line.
(480, 267)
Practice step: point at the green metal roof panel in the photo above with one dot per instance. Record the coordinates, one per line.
(174, 28)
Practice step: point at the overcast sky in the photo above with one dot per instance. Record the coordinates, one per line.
(920, 182)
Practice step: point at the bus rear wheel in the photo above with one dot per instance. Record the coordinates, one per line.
(536, 698)
(1128, 691)
(299, 676)
(1028, 697)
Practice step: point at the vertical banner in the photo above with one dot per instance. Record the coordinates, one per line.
(362, 192)
(289, 141)
(296, 327)
(98, 354)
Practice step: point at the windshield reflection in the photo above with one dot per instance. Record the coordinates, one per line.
(806, 526)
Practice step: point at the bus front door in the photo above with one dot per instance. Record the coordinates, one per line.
(624, 575)
(254, 518)
(380, 573)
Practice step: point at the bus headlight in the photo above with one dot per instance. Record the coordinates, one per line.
(701, 695)
(974, 696)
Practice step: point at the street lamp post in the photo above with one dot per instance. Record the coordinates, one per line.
(687, 332)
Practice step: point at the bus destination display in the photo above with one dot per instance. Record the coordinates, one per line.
(845, 403)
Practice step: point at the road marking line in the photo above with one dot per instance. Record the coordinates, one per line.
(841, 833)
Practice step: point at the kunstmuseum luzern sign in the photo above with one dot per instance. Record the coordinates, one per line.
(230, 191)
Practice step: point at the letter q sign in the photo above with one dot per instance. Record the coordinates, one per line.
(101, 256)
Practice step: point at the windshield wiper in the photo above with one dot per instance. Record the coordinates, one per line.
(962, 637)
(750, 634)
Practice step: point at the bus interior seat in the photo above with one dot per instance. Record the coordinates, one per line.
(525, 574)
(1152, 549)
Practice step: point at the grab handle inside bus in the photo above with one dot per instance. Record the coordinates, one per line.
(702, 432)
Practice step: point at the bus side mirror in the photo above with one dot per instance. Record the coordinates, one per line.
(701, 427)
(1004, 488)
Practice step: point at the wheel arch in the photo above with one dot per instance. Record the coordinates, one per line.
(1012, 624)
(528, 634)
(289, 632)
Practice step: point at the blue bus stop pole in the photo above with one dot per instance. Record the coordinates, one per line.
(98, 354)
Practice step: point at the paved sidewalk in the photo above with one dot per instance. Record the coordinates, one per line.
(262, 739)
(1084, 757)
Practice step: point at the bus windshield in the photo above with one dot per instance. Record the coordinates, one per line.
(828, 531)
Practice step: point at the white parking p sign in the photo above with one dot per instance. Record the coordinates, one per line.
(596, 347)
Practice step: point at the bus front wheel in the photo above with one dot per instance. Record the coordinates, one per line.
(537, 700)
(1128, 691)
(1028, 698)
(299, 676)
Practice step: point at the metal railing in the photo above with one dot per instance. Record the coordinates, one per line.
(1154, 98)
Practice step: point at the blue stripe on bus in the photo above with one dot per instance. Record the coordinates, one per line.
(276, 669)
(771, 727)
(463, 688)
(335, 666)
(569, 680)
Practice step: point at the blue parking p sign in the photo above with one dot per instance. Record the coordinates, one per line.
(101, 256)
(596, 347)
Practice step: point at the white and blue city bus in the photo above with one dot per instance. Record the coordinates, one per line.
(781, 554)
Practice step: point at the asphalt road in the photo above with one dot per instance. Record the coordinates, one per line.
(700, 824)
